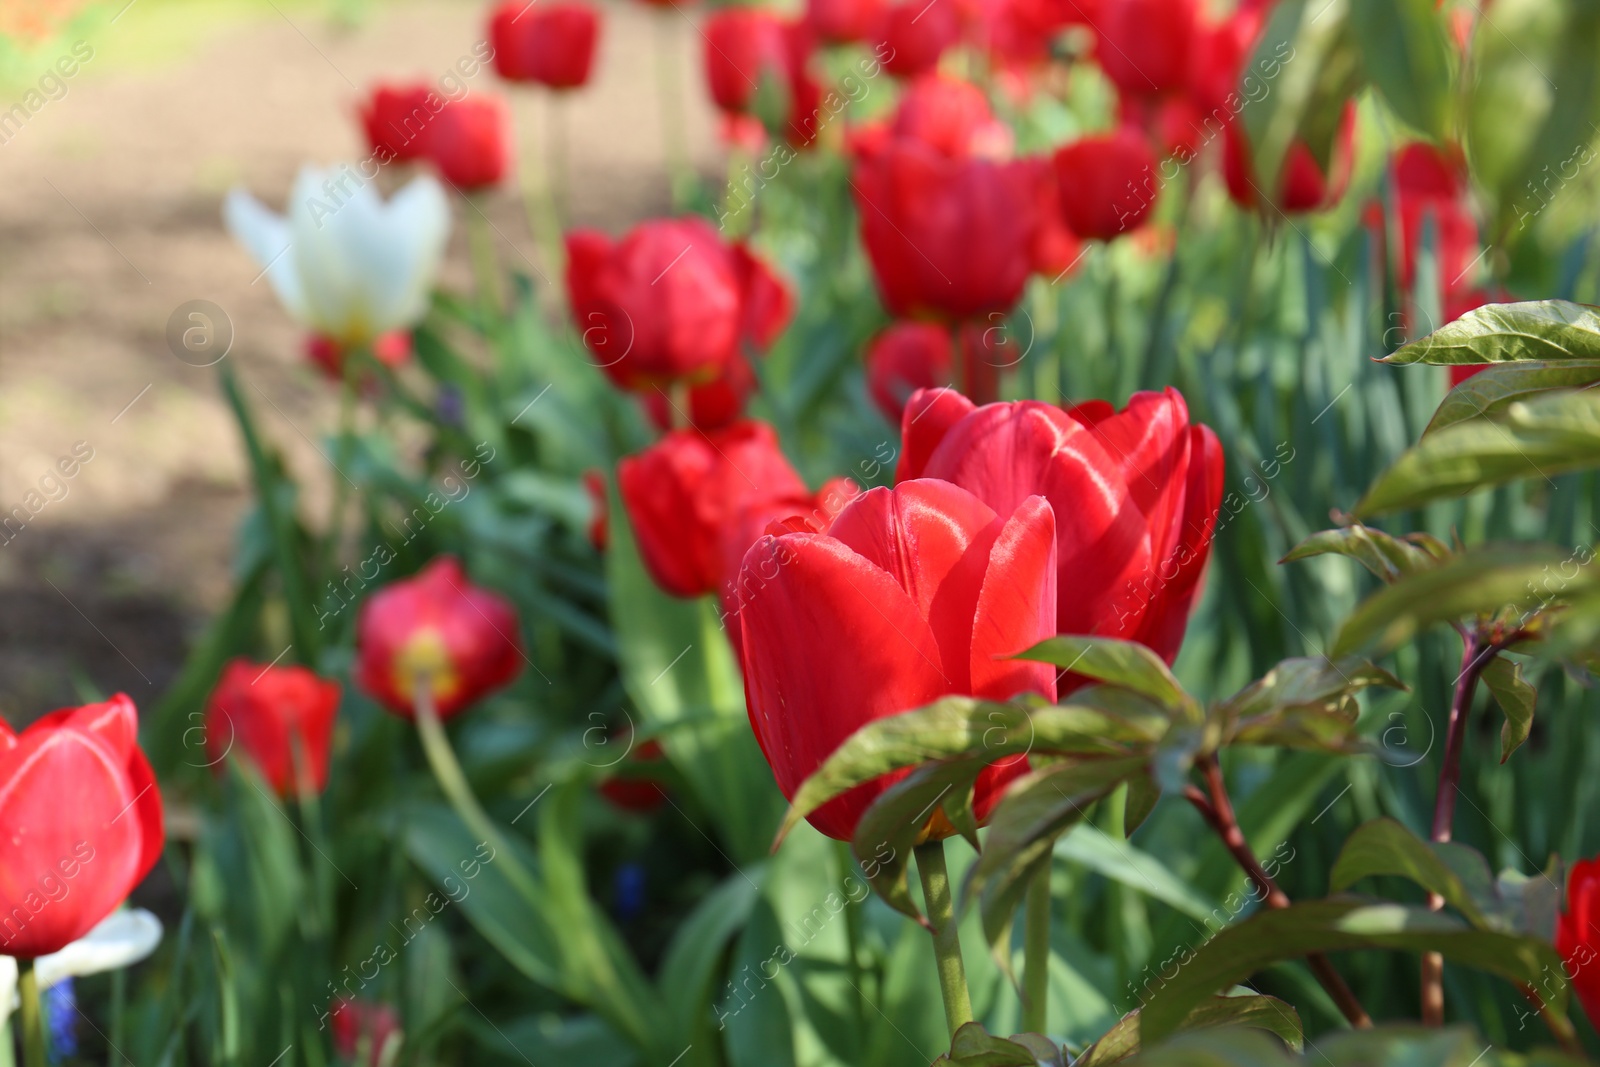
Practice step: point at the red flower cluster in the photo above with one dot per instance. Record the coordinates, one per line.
(83, 824)
(1009, 523)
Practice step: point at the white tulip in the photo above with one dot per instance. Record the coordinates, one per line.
(120, 940)
(345, 264)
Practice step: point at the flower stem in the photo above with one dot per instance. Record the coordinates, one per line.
(485, 266)
(1216, 808)
(1036, 952)
(935, 877)
(447, 771)
(33, 1046)
(1476, 654)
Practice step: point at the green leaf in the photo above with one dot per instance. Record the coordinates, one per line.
(1481, 581)
(1516, 697)
(1097, 721)
(1522, 134)
(1392, 1046)
(1143, 795)
(690, 967)
(1337, 925)
(1256, 1012)
(973, 1046)
(1408, 57)
(1133, 867)
(1552, 434)
(1537, 331)
(1385, 847)
(1023, 828)
(1383, 554)
(1311, 66)
(898, 818)
(1301, 703)
(1127, 664)
(1492, 390)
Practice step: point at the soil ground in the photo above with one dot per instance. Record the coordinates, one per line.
(109, 220)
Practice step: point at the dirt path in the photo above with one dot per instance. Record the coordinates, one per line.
(110, 219)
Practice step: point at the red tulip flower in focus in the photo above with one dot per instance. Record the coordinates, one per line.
(843, 21)
(949, 237)
(1144, 46)
(1107, 183)
(83, 824)
(1135, 494)
(670, 302)
(1578, 935)
(913, 35)
(912, 594)
(682, 491)
(551, 44)
(396, 120)
(907, 357)
(469, 141)
(436, 629)
(363, 1025)
(1303, 184)
(276, 716)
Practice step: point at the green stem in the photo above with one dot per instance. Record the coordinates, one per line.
(852, 929)
(935, 877)
(447, 772)
(33, 1046)
(485, 267)
(341, 487)
(1036, 953)
(669, 90)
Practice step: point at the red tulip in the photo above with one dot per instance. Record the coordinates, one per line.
(594, 483)
(270, 713)
(946, 236)
(794, 513)
(914, 34)
(1217, 66)
(1107, 182)
(469, 142)
(1055, 249)
(548, 43)
(951, 116)
(907, 357)
(1302, 185)
(1428, 185)
(712, 405)
(1578, 935)
(1144, 45)
(670, 301)
(1135, 495)
(637, 794)
(396, 119)
(363, 1022)
(744, 47)
(843, 21)
(682, 491)
(1019, 34)
(912, 594)
(83, 824)
(436, 629)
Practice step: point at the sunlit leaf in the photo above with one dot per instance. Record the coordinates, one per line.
(1128, 664)
(1383, 554)
(1256, 1012)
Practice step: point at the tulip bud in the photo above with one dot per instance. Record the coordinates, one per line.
(1303, 185)
(843, 21)
(396, 120)
(83, 824)
(551, 44)
(904, 358)
(436, 632)
(1144, 46)
(1576, 937)
(469, 142)
(280, 717)
(1107, 182)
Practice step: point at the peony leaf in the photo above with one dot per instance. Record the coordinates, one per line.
(1256, 1012)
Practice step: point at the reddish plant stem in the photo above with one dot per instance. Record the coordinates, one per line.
(1476, 654)
(1216, 808)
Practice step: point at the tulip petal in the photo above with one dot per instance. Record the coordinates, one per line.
(1181, 569)
(1017, 606)
(928, 416)
(1149, 439)
(934, 538)
(265, 235)
(826, 620)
